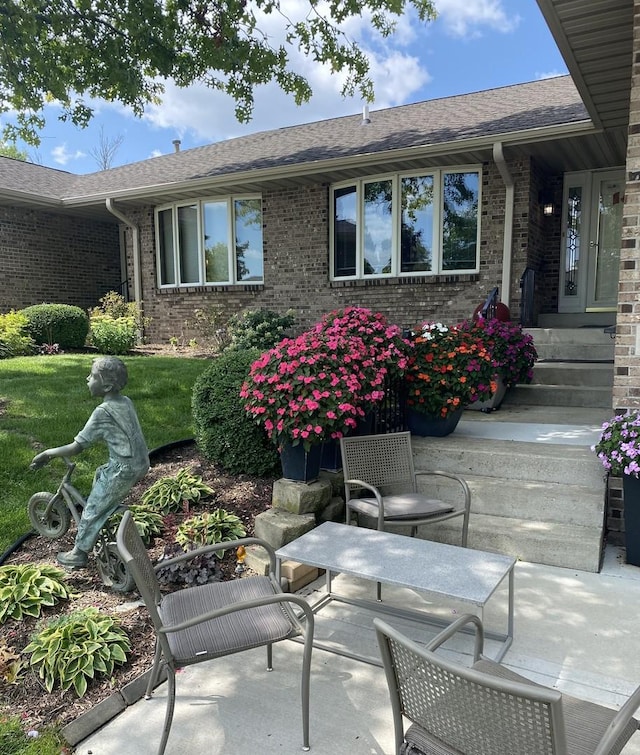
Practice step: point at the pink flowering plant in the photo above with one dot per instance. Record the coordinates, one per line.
(619, 446)
(382, 342)
(314, 387)
(448, 369)
(512, 350)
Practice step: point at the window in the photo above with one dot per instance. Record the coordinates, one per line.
(421, 224)
(210, 242)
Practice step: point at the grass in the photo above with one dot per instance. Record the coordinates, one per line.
(14, 740)
(46, 403)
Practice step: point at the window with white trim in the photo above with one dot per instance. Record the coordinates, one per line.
(208, 242)
(425, 223)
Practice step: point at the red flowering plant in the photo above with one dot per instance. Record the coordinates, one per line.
(312, 388)
(512, 350)
(448, 369)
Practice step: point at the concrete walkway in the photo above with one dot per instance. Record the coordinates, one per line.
(576, 631)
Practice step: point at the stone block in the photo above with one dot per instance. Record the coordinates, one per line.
(300, 497)
(336, 479)
(333, 512)
(280, 527)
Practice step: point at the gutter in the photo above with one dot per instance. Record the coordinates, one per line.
(364, 159)
(498, 156)
(137, 282)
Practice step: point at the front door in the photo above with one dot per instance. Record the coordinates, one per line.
(591, 238)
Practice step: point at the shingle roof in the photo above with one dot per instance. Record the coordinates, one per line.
(521, 107)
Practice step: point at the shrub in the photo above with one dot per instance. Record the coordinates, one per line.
(115, 324)
(63, 324)
(224, 433)
(210, 528)
(72, 649)
(211, 324)
(14, 335)
(26, 588)
(258, 329)
(174, 494)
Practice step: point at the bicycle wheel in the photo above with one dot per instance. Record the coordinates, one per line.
(52, 525)
(112, 569)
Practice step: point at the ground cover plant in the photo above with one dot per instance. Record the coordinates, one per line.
(44, 402)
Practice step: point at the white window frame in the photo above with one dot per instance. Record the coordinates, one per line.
(436, 245)
(230, 202)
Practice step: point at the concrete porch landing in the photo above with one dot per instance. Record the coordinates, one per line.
(574, 630)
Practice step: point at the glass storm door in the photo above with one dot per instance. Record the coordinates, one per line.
(591, 238)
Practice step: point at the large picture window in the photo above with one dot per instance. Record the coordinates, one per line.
(418, 224)
(216, 241)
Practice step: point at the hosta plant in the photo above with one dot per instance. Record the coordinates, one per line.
(74, 648)
(210, 528)
(175, 493)
(26, 588)
(147, 520)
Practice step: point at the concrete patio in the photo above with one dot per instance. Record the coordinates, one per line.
(576, 631)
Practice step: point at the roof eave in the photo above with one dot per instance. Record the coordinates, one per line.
(526, 136)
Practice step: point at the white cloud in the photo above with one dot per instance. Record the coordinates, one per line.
(550, 74)
(464, 18)
(62, 155)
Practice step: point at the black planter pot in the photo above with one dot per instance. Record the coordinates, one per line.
(431, 425)
(631, 490)
(300, 465)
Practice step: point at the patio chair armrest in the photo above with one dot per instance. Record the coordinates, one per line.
(451, 476)
(220, 547)
(278, 597)
(621, 719)
(376, 493)
(455, 627)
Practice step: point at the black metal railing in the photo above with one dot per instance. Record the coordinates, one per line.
(527, 286)
(389, 416)
(488, 309)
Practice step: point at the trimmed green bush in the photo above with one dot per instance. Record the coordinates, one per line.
(63, 324)
(258, 329)
(14, 335)
(224, 433)
(115, 325)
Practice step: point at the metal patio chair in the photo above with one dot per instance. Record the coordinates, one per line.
(209, 621)
(487, 709)
(383, 466)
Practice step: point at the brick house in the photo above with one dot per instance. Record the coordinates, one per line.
(417, 211)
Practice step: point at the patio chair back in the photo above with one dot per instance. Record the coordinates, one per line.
(384, 461)
(487, 709)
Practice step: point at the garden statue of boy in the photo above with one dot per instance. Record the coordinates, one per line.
(114, 422)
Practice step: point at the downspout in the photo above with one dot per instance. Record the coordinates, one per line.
(137, 282)
(498, 156)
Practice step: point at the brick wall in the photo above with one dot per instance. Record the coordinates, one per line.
(296, 267)
(55, 258)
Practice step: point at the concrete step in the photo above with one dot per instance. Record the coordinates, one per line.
(572, 343)
(542, 542)
(526, 461)
(578, 374)
(559, 395)
(556, 502)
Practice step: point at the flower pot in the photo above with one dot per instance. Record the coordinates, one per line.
(331, 456)
(493, 403)
(431, 425)
(631, 491)
(300, 465)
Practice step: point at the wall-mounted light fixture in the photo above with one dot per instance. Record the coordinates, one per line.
(545, 199)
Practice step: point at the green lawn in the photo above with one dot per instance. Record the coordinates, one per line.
(44, 402)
